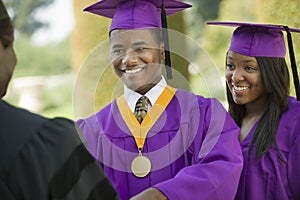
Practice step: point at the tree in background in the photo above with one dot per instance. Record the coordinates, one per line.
(89, 32)
(36, 60)
(203, 78)
(202, 11)
(37, 63)
(217, 38)
(287, 13)
(23, 14)
(176, 22)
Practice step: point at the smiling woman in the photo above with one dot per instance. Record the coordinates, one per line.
(244, 80)
(258, 95)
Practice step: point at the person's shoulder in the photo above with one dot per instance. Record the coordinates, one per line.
(201, 99)
(7, 108)
(76, 165)
(18, 127)
(289, 121)
(293, 103)
(29, 122)
(106, 108)
(92, 122)
(59, 134)
(292, 119)
(11, 114)
(55, 137)
(58, 125)
(103, 111)
(23, 132)
(293, 108)
(199, 103)
(187, 94)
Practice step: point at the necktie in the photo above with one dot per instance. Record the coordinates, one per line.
(141, 108)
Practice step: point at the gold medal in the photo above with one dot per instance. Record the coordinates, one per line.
(141, 166)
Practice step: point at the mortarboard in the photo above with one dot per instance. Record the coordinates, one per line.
(263, 40)
(140, 14)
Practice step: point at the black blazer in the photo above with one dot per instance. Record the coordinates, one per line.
(43, 158)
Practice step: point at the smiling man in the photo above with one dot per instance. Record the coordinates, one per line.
(136, 58)
(155, 141)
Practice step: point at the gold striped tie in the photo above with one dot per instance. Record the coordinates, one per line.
(141, 108)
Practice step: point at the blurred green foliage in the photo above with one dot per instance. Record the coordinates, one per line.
(34, 60)
(47, 60)
(89, 31)
(216, 39)
(58, 101)
(23, 14)
(287, 14)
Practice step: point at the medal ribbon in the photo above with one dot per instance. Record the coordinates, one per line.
(140, 131)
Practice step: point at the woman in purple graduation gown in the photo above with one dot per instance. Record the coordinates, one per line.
(258, 94)
(186, 147)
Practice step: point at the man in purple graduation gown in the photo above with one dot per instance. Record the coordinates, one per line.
(190, 141)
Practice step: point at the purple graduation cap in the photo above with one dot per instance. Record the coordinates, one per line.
(263, 40)
(140, 14)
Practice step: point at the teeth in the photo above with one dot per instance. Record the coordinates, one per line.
(133, 71)
(240, 88)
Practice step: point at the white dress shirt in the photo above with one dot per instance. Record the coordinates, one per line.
(131, 96)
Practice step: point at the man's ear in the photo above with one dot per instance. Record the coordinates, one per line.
(162, 51)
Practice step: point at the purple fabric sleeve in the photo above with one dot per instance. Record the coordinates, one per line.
(216, 175)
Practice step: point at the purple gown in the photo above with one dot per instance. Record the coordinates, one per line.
(270, 178)
(193, 148)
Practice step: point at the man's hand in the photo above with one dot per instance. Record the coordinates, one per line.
(150, 194)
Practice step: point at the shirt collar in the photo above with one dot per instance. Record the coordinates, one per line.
(131, 96)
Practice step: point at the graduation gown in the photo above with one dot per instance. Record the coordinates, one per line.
(193, 147)
(43, 158)
(273, 177)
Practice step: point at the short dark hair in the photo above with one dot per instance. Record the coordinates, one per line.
(156, 32)
(6, 32)
(276, 79)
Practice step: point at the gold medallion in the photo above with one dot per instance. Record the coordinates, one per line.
(141, 166)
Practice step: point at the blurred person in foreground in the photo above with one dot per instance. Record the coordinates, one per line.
(41, 158)
(156, 141)
(258, 95)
